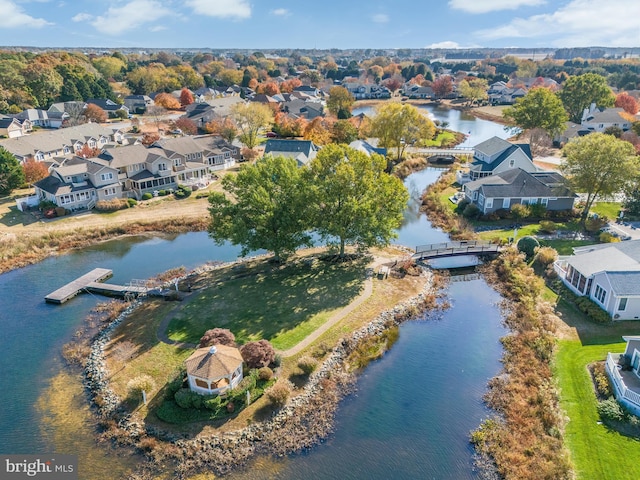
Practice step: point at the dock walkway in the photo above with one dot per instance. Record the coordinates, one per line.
(92, 282)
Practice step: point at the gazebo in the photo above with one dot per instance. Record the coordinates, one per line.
(214, 370)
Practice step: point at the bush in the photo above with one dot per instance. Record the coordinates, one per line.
(594, 224)
(218, 336)
(592, 309)
(471, 211)
(183, 398)
(213, 403)
(548, 226)
(519, 211)
(307, 364)
(537, 210)
(257, 354)
(132, 202)
(265, 374)
(279, 392)
(112, 205)
(202, 195)
(545, 256)
(528, 245)
(601, 380)
(610, 409)
(162, 193)
(141, 383)
(147, 196)
(606, 237)
(182, 192)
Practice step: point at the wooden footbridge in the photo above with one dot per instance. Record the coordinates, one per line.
(454, 249)
(93, 282)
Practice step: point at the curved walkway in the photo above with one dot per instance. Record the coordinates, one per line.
(335, 318)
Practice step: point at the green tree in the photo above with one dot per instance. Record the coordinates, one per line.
(474, 90)
(343, 131)
(251, 118)
(110, 67)
(353, 199)
(539, 108)
(580, 91)
(43, 81)
(340, 102)
(11, 173)
(398, 125)
(599, 165)
(264, 208)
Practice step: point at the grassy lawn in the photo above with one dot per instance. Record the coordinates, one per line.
(596, 451)
(565, 247)
(283, 306)
(607, 209)
(444, 138)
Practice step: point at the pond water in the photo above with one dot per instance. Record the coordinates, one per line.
(476, 129)
(410, 418)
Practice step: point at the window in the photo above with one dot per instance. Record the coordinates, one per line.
(622, 304)
(110, 191)
(106, 176)
(512, 163)
(481, 200)
(506, 202)
(600, 294)
(544, 201)
(475, 195)
(162, 166)
(177, 161)
(524, 201)
(489, 203)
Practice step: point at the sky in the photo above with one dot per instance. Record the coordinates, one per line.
(344, 24)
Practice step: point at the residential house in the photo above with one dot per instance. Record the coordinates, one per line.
(301, 109)
(212, 109)
(42, 118)
(79, 183)
(109, 106)
(497, 155)
(418, 91)
(362, 91)
(12, 128)
(138, 103)
(61, 143)
(204, 94)
(517, 186)
(624, 371)
(303, 151)
(501, 94)
(214, 370)
(308, 90)
(186, 157)
(609, 274)
(597, 120)
(367, 148)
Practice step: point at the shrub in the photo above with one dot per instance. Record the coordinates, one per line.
(247, 383)
(606, 237)
(548, 226)
(528, 245)
(610, 409)
(545, 256)
(162, 193)
(592, 309)
(471, 211)
(519, 211)
(277, 360)
(265, 374)
(147, 196)
(141, 383)
(307, 364)
(182, 192)
(218, 336)
(132, 202)
(202, 195)
(112, 205)
(279, 392)
(537, 210)
(593, 224)
(601, 380)
(183, 398)
(213, 403)
(257, 354)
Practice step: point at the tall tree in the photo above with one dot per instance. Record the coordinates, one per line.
(34, 170)
(442, 86)
(354, 200)
(93, 113)
(225, 127)
(264, 208)
(186, 97)
(539, 108)
(251, 118)
(628, 103)
(599, 165)
(11, 173)
(340, 102)
(580, 91)
(343, 131)
(166, 100)
(474, 90)
(399, 125)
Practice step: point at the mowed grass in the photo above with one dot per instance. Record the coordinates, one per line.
(607, 209)
(597, 452)
(282, 305)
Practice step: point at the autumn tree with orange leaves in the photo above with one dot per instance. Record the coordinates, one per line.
(186, 97)
(34, 170)
(628, 103)
(93, 113)
(167, 101)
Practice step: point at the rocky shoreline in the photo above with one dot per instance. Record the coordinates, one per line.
(303, 422)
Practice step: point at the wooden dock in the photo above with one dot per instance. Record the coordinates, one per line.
(92, 282)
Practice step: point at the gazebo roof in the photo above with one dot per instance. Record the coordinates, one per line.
(213, 362)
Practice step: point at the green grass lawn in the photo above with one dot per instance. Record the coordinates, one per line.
(565, 247)
(607, 209)
(283, 306)
(444, 138)
(597, 452)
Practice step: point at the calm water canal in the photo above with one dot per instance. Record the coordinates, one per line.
(410, 418)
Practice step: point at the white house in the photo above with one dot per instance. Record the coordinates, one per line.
(609, 274)
(214, 370)
(497, 155)
(624, 372)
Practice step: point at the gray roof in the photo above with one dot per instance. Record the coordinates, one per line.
(607, 257)
(492, 146)
(122, 156)
(625, 283)
(301, 150)
(517, 183)
(610, 115)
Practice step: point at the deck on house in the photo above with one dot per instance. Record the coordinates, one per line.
(92, 282)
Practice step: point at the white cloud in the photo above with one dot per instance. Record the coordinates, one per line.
(580, 23)
(14, 16)
(157, 28)
(380, 18)
(120, 19)
(445, 44)
(82, 17)
(280, 12)
(484, 6)
(221, 8)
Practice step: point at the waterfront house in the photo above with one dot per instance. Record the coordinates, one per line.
(624, 372)
(609, 274)
(214, 370)
(517, 186)
(303, 151)
(497, 155)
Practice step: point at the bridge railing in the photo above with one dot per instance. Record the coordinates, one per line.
(450, 245)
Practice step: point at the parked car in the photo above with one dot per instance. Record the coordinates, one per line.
(175, 131)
